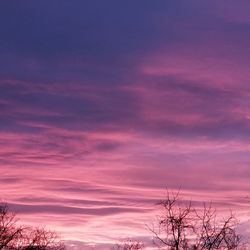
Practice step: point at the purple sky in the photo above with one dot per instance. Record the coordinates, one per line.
(104, 104)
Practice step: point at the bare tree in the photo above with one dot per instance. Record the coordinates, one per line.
(182, 227)
(129, 245)
(16, 237)
(213, 233)
(9, 231)
(38, 239)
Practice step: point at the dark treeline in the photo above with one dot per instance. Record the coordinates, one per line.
(17, 237)
(180, 226)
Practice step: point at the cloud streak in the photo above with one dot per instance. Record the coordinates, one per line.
(103, 105)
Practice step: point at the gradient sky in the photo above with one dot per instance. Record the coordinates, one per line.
(104, 104)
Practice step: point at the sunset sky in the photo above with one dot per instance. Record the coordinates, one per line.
(104, 104)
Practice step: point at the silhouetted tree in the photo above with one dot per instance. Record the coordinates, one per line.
(182, 227)
(16, 237)
(9, 231)
(129, 245)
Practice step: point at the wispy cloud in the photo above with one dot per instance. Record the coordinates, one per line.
(104, 105)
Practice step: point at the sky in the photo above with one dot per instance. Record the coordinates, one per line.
(105, 104)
